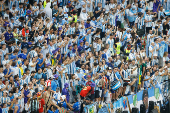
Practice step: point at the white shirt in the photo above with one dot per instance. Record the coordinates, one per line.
(49, 73)
(44, 51)
(13, 11)
(83, 16)
(1, 75)
(15, 70)
(132, 56)
(6, 15)
(142, 54)
(5, 62)
(57, 95)
(35, 8)
(31, 68)
(112, 6)
(150, 39)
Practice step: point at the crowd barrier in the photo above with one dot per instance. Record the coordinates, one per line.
(126, 103)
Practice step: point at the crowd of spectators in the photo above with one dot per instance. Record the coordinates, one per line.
(51, 51)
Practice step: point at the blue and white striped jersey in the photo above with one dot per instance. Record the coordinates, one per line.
(71, 30)
(24, 81)
(5, 99)
(148, 18)
(1, 87)
(126, 73)
(35, 8)
(140, 22)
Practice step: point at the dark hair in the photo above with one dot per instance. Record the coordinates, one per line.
(15, 76)
(15, 51)
(33, 72)
(14, 89)
(26, 69)
(13, 63)
(18, 42)
(88, 20)
(25, 85)
(74, 44)
(76, 99)
(3, 104)
(161, 17)
(47, 55)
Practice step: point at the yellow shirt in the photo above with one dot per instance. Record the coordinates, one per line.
(22, 71)
(75, 16)
(118, 48)
(45, 3)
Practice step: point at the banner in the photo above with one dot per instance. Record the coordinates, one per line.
(168, 5)
(128, 102)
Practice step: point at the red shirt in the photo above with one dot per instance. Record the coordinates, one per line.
(24, 32)
(85, 91)
(89, 84)
(41, 104)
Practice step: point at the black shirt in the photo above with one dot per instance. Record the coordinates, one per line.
(165, 28)
(24, 45)
(31, 37)
(34, 105)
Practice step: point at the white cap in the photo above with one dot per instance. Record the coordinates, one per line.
(5, 91)
(63, 97)
(110, 68)
(155, 55)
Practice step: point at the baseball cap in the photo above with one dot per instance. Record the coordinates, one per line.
(28, 11)
(110, 68)
(55, 76)
(69, 45)
(48, 64)
(88, 76)
(81, 41)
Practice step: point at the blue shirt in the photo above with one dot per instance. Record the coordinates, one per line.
(12, 97)
(38, 76)
(24, 45)
(54, 84)
(118, 75)
(39, 62)
(58, 56)
(8, 36)
(13, 57)
(109, 64)
(76, 106)
(87, 25)
(80, 49)
(104, 56)
(56, 111)
(165, 46)
(5, 71)
(26, 92)
(64, 104)
(22, 55)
